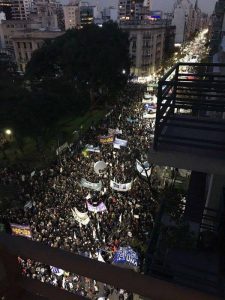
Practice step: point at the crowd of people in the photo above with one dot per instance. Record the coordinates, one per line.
(52, 194)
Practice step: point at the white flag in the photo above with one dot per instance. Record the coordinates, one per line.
(94, 234)
(100, 258)
(98, 227)
(120, 218)
(74, 235)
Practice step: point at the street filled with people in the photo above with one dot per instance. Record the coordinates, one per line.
(78, 208)
(99, 198)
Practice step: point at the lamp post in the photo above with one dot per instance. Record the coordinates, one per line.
(8, 134)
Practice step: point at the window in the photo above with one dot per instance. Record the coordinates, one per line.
(18, 45)
(24, 45)
(30, 45)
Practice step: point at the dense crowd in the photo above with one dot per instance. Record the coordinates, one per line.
(53, 192)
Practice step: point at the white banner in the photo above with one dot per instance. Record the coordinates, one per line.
(90, 185)
(91, 148)
(80, 217)
(143, 168)
(62, 148)
(120, 187)
(114, 131)
(149, 116)
(121, 143)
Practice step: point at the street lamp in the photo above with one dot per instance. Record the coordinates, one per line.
(124, 71)
(8, 131)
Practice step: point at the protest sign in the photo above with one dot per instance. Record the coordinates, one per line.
(21, 230)
(90, 185)
(106, 139)
(120, 187)
(99, 208)
(80, 217)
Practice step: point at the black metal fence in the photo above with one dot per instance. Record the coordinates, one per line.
(196, 90)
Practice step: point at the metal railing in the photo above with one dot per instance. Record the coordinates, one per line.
(13, 285)
(190, 89)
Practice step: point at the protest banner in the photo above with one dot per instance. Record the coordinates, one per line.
(114, 131)
(56, 271)
(126, 256)
(91, 148)
(62, 148)
(21, 230)
(28, 205)
(147, 115)
(121, 143)
(90, 185)
(120, 187)
(106, 139)
(80, 217)
(99, 208)
(143, 168)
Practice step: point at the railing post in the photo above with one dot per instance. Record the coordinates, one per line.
(10, 276)
(157, 120)
(175, 88)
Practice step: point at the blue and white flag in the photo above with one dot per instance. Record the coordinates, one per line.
(121, 143)
(56, 271)
(126, 255)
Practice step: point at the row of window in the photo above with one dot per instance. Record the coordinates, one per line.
(25, 45)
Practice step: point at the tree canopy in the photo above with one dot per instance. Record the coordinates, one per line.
(62, 81)
(93, 58)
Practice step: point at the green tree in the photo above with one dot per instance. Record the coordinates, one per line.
(93, 59)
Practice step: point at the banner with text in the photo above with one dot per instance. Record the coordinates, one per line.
(120, 187)
(21, 230)
(106, 139)
(143, 168)
(99, 208)
(114, 131)
(80, 217)
(90, 185)
(120, 143)
(91, 148)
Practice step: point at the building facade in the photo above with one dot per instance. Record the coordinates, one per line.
(187, 19)
(218, 25)
(6, 8)
(130, 10)
(147, 43)
(25, 42)
(71, 16)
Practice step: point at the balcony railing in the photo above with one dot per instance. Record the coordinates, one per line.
(190, 107)
(14, 286)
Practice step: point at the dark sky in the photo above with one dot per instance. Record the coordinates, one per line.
(166, 5)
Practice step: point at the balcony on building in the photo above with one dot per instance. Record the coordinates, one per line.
(190, 119)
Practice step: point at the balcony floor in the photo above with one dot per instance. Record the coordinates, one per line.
(192, 143)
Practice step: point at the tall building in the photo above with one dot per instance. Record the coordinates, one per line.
(186, 18)
(218, 25)
(6, 7)
(147, 44)
(18, 10)
(88, 14)
(130, 9)
(71, 13)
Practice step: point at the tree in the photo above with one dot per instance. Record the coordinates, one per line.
(93, 58)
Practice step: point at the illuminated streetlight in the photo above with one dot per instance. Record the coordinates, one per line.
(124, 71)
(8, 131)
